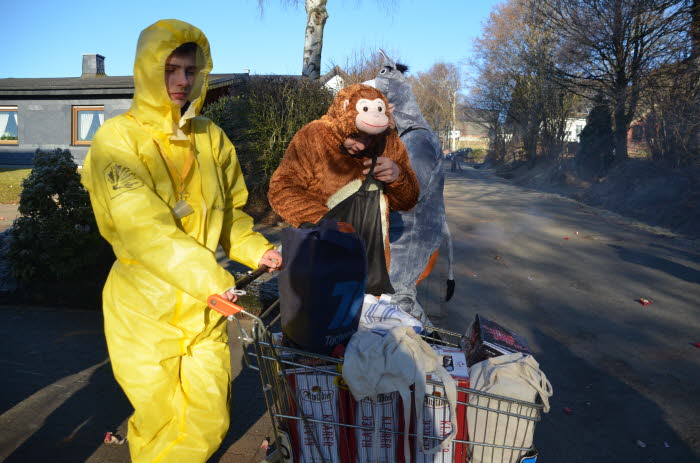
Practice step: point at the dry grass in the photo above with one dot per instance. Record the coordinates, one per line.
(11, 184)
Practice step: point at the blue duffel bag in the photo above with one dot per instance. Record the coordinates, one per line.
(321, 286)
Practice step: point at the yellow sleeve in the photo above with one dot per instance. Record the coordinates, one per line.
(238, 239)
(140, 225)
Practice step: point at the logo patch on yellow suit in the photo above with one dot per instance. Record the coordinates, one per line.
(120, 180)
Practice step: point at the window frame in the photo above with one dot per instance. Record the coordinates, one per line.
(74, 123)
(15, 110)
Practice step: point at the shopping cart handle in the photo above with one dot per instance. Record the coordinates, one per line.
(246, 280)
(221, 305)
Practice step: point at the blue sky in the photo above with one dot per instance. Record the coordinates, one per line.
(49, 37)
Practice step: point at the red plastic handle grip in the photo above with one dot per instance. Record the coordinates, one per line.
(221, 305)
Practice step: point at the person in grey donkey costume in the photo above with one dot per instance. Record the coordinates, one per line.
(414, 235)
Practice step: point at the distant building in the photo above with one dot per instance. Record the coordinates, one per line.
(472, 129)
(334, 79)
(574, 126)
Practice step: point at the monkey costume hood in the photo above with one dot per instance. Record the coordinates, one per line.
(415, 235)
(316, 173)
(169, 351)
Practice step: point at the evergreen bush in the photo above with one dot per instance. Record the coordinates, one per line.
(262, 121)
(56, 252)
(595, 152)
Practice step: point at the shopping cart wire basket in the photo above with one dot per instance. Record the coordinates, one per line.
(315, 418)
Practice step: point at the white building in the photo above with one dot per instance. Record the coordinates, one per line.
(574, 126)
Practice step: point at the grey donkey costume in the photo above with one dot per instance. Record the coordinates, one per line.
(414, 235)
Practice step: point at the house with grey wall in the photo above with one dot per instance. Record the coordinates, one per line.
(49, 113)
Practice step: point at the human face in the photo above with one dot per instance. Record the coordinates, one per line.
(357, 143)
(180, 72)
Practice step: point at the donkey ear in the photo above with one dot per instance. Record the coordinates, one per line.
(386, 58)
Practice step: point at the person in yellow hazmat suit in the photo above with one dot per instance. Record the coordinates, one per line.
(167, 189)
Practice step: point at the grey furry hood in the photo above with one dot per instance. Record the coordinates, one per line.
(392, 83)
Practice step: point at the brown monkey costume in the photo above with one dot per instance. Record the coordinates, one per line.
(316, 172)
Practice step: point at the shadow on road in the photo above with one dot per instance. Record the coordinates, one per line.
(247, 407)
(657, 263)
(75, 429)
(59, 394)
(608, 416)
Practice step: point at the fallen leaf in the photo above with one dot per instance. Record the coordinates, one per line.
(641, 444)
(568, 411)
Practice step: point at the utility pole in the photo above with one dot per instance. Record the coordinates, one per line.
(453, 141)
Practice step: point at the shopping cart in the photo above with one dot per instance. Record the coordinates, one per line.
(315, 418)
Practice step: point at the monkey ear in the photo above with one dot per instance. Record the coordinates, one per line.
(345, 104)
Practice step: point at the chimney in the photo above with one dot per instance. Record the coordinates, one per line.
(93, 66)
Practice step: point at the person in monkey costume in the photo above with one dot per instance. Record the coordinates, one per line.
(329, 159)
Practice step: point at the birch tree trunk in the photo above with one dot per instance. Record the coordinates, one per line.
(316, 16)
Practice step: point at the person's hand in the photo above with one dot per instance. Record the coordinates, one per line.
(229, 296)
(385, 171)
(272, 259)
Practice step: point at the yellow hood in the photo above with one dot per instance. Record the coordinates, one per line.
(151, 104)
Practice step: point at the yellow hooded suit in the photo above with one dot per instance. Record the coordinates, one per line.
(168, 350)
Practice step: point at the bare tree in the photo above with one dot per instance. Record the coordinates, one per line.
(695, 31)
(316, 17)
(513, 60)
(695, 57)
(612, 47)
(437, 91)
(362, 65)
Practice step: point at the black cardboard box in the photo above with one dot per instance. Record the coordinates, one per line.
(486, 338)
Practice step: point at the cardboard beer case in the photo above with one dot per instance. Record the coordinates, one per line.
(318, 397)
(388, 409)
(437, 422)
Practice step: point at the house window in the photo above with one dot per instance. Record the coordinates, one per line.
(8, 125)
(86, 121)
(637, 132)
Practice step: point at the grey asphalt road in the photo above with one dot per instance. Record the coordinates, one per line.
(59, 395)
(8, 213)
(628, 373)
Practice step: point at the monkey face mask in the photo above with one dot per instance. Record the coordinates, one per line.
(358, 109)
(371, 115)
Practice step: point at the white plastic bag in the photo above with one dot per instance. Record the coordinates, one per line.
(516, 376)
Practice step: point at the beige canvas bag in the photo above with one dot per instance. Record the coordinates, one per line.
(516, 376)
